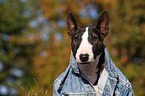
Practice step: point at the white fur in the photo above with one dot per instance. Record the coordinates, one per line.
(85, 47)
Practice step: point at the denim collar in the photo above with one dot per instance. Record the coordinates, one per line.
(109, 65)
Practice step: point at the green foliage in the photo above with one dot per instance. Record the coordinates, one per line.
(15, 50)
(29, 91)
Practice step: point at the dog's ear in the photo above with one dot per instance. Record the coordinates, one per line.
(103, 24)
(71, 24)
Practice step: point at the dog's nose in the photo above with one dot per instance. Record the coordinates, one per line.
(84, 57)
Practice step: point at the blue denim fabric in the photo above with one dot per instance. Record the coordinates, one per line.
(112, 82)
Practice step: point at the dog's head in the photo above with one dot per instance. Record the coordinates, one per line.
(87, 43)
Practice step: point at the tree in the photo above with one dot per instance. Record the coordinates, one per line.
(16, 50)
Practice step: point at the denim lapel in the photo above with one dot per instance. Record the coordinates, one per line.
(109, 65)
(110, 69)
(73, 64)
(102, 82)
(110, 86)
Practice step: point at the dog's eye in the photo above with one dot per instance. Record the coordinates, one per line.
(94, 37)
(76, 38)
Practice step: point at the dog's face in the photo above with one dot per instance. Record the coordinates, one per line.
(87, 43)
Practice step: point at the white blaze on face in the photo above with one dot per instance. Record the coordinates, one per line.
(85, 47)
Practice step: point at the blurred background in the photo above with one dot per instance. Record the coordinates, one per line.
(35, 48)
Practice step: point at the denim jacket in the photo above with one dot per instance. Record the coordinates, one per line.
(112, 82)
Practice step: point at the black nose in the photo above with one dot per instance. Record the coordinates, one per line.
(84, 57)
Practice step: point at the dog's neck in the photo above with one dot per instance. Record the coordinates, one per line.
(92, 70)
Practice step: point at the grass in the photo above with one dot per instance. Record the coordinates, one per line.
(39, 92)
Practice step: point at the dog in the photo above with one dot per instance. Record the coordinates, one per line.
(91, 71)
